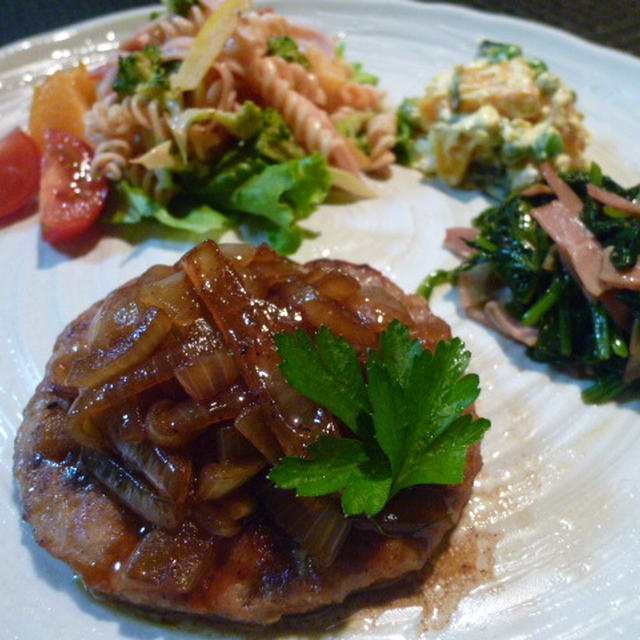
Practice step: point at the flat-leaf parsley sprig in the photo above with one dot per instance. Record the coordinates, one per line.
(406, 416)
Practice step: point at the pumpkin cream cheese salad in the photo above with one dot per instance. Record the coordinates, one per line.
(488, 124)
(212, 116)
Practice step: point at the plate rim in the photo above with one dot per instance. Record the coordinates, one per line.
(46, 37)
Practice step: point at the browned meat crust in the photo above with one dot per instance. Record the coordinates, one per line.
(255, 577)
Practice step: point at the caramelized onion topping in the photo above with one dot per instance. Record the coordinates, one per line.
(174, 424)
(169, 473)
(217, 479)
(175, 296)
(181, 401)
(86, 431)
(232, 445)
(334, 284)
(252, 423)
(224, 517)
(316, 524)
(119, 311)
(248, 326)
(169, 562)
(123, 353)
(132, 491)
(177, 350)
(208, 375)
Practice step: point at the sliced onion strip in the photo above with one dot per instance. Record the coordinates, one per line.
(200, 339)
(175, 296)
(224, 517)
(217, 479)
(248, 326)
(134, 493)
(169, 473)
(253, 425)
(208, 375)
(232, 445)
(173, 424)
(123, 353)
(168, 562)
(336, 285)
(316, 524)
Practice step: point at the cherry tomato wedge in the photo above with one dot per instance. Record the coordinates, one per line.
(19, 171)
(71, 198)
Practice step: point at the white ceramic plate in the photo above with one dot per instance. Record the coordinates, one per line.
(549, 546)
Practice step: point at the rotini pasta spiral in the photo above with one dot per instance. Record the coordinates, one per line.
(311, 126)
(381, 137)
(301, 80)
(167, 27)
(312, 97)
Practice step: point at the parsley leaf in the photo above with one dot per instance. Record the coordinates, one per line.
(328, 372)
(358, 468)
(406, 416)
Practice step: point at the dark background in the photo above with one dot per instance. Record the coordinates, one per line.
(615, 23)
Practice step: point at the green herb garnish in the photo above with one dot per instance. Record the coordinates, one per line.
(406, 416)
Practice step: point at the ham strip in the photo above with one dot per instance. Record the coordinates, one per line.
(537, 190)
(565, 193)
(455, 240)
(613, 199)
(617, 309)
(497, 317)
(476, 287)
(580, 250)
(626, 279)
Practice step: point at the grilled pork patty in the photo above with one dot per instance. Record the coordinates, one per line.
(256, 575)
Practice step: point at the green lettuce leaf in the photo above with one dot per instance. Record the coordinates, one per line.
(262, 186)
(284, 192)
(135, 205)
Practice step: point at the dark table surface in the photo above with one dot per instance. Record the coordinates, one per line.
(615, 23)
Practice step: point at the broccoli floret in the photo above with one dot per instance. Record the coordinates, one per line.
(142, 72)
(275, 140)
(180, 7)
(286, 48)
